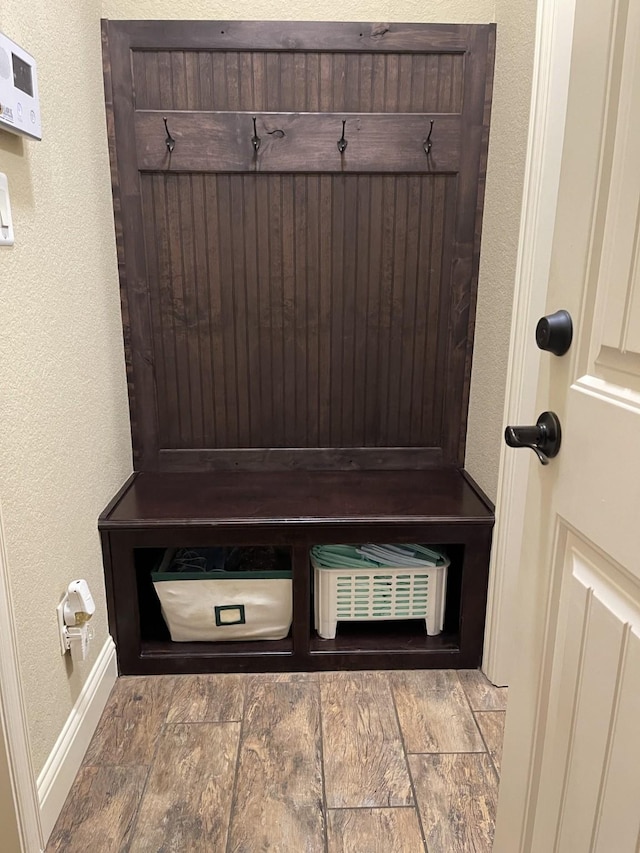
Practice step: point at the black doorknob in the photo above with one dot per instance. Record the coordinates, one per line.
(554, 332)
(543, 437)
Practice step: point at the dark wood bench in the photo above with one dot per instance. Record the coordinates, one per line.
(290, 305)
(296, 509)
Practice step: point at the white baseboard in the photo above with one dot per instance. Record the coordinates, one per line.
(59, 771)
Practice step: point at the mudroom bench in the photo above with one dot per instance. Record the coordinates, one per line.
(296, 510)
(298, 211)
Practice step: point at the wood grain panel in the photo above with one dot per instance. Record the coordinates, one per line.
(481, 693)
(363, 755)
(457, 801)
(393, 82)
(280, 327)
(295, 297)
(130, 722)
(433, 712)
(491, 725)
(278, 799)
(281, 677)
(360, 37)
(374, 831)
(207, 699)
(187, 800)
(100, 810)
(293, 142)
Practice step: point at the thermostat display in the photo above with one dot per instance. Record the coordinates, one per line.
(19, 103)
(22, 76)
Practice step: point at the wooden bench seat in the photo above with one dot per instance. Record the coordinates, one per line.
(296, 509)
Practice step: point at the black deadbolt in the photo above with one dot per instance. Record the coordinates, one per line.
(554, 332)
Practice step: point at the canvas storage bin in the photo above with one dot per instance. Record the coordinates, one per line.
(224, 605)
(348, 594)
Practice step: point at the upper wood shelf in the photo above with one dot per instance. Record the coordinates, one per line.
(294, 498)
(295, 35)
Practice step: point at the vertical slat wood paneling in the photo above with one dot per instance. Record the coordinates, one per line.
(292, 301)
(156, 270)
(387, 223)
(276, 329)
(219, 83)
(192, 74)
(305, 258)
(296, 310)
(410, 320)
(233, 81)
(365, 89)
(422, 312)
(338, 81)
(299, 82)
(139, 67)
(216, 325)
(378, 73)
(262, 205)
(361, 320)
(438, 298)
(374, 292)
(178, 78)
(445, 72)
(246, 95)
(418, 73)
(205, 78)
(227, 286)
(236, 198)
(312, 78)
(254, 366)
(169, 283)
(201, 262)
(272, 80)
(192, 312)
(303, 310)
(324, 286)
(398, 287)
(350, 316)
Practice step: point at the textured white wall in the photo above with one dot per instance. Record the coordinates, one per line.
(505, 177)
(439, 11)
(64, 433)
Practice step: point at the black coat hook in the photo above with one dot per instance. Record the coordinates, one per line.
(255, 139)
(169, 141)
(428, 143)
(342, 142)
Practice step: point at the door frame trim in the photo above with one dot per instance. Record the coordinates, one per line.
(552, 56)
(13, 719)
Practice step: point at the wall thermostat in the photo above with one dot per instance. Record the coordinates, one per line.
(19, 102)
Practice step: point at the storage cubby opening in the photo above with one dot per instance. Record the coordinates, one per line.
(393, 637)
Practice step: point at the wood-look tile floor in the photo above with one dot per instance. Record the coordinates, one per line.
(338, 762)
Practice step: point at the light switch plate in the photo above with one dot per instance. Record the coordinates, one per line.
(6, 221)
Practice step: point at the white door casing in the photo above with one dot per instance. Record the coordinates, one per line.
(14, 731)
(571, 767)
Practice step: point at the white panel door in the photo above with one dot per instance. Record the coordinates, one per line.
(571, 767)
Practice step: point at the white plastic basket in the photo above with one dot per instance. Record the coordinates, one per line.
(362, 595)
